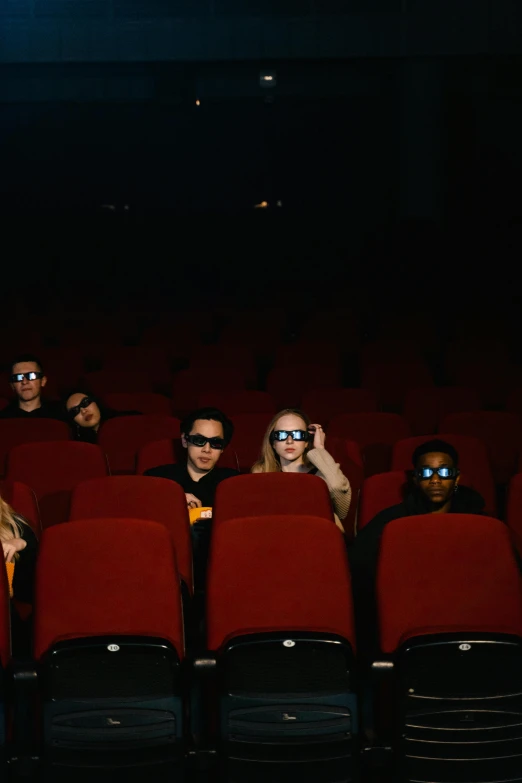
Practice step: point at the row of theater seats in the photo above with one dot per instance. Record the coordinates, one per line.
(277, 691)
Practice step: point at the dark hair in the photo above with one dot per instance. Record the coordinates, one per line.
(435, 445)
(26, 357)
(208, 414)
(103, 410)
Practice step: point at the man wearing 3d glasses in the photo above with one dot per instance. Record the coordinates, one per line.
(435, 489)
(27, 380)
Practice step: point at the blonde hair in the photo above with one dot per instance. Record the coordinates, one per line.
(269, 461)
(11, 525)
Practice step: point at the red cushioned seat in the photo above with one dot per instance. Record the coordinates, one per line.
(14, 432)
(266, 494)
(148, 403)
(121, 438)
(476, 351)
(280, 618)
(379, 492)
(145, 497)
(391, 381)
(450, 608)
(249, 430)
(287, 385)
(23, 500)
(108, 638)
(474, 465)
(235, 403)
(189, 384)
(501, 433)
(493, 381)
(322, 405)
(425, 408)
(205, 358)
(52, 470)
(150, 361)
(111, 381)
(305, 352)
(375, 433)
(514, 510)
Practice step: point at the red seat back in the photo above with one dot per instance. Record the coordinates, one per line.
(425, 408)
(145, 497)
(390, 382)
(375, 433)
(266, 494)
(287, 385)
(249, 430)
(379, 492)
(446, 573)
(111, 381)
(154, 454)
(475, 470)
(290, 574)
(121, 438)
(146, 402)
(23, 500)
(52, 470)
(189, 384)
(235, 403)
(492, 380)
(322, 405)
(97, 578)
(14, 432)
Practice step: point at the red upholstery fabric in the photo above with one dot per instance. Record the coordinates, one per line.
(104, 382)
(379, 492)
(23, 500)
(14, 432)
(501, 432)
(145, 497)
(281, 573)
(147, 360)
(493, 381)
(236, 403)
(106, 577)
(155, 453)
(514, 510)
(249, 430)
(262, 494)
(375, 433)
(63, 367)
(121, 438)
(424, 408)
(204, 357)
(52, 470)
(391, 381)
(146, 403)
(445, 573)
(323, 404)
(287, 385)
(189, 384)
(475, 470)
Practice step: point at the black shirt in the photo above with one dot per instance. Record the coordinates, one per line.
(47, 410)
(204, 489)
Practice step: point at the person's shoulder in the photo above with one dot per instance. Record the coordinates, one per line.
(223, 473)
(468, 501)
(387, 515)
(170, 471)
(10, 411)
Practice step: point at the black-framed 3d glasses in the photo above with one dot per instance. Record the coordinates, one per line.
(18, 377)
(294, 434)
(73, 412)
(443, 472)
(200, 441)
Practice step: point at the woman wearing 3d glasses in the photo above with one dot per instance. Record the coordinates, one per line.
(86, 414)
(292, 444)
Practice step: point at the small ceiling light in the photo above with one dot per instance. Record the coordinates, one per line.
(198, 102)
(261, 205)
(267, 79)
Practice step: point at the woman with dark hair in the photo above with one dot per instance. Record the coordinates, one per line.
(86, 413)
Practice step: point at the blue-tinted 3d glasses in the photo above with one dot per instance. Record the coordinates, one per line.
(425, 473)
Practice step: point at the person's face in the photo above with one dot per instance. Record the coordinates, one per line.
(438, 490)
(87, 417)
(290, 450)
(203, 458)
(25, 390)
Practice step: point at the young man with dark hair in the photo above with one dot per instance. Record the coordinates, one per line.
(28, 379)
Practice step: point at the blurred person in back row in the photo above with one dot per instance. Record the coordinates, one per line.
(27, 379)
(292, 444)
(86, 413)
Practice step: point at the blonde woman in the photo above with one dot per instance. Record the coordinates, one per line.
(20, 546)
(292, 444)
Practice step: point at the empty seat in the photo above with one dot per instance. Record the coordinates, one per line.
(205, 358)
(121, 438)
(108, 641)
(52, 470)
(282, 631)
(425, 408)
(322, 405)
(493, 381)
(234, 403)
(151, 361)
(189, 384)
(249, 431)
(375, 433)
(262, 494)
(102, 382)
(156, 499)
(391, 381)
(287, 385)
(63, 367)
(450, 608)
(14, 432)
(145, 402)
(474, 465)
(23, 500)
(499, 431)
(378, 492)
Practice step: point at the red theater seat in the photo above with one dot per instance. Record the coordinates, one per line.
(14, 432)
(206, 358)
(189, 384)
(475, 470)
(145, 497)
(492, 381)
(391, 381)
(64, 368)
(237, 403)
(52, 470)
(322, 405)
(262, 494)
(379, 492)
(282, 630)
(121, 438)
(287, 385)
(501, 433)
(424, 408)
(450, 608)
(147, 403)
(249, 430)
(110, 381)
(108, 641)
(23, 500)
(375, 433)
